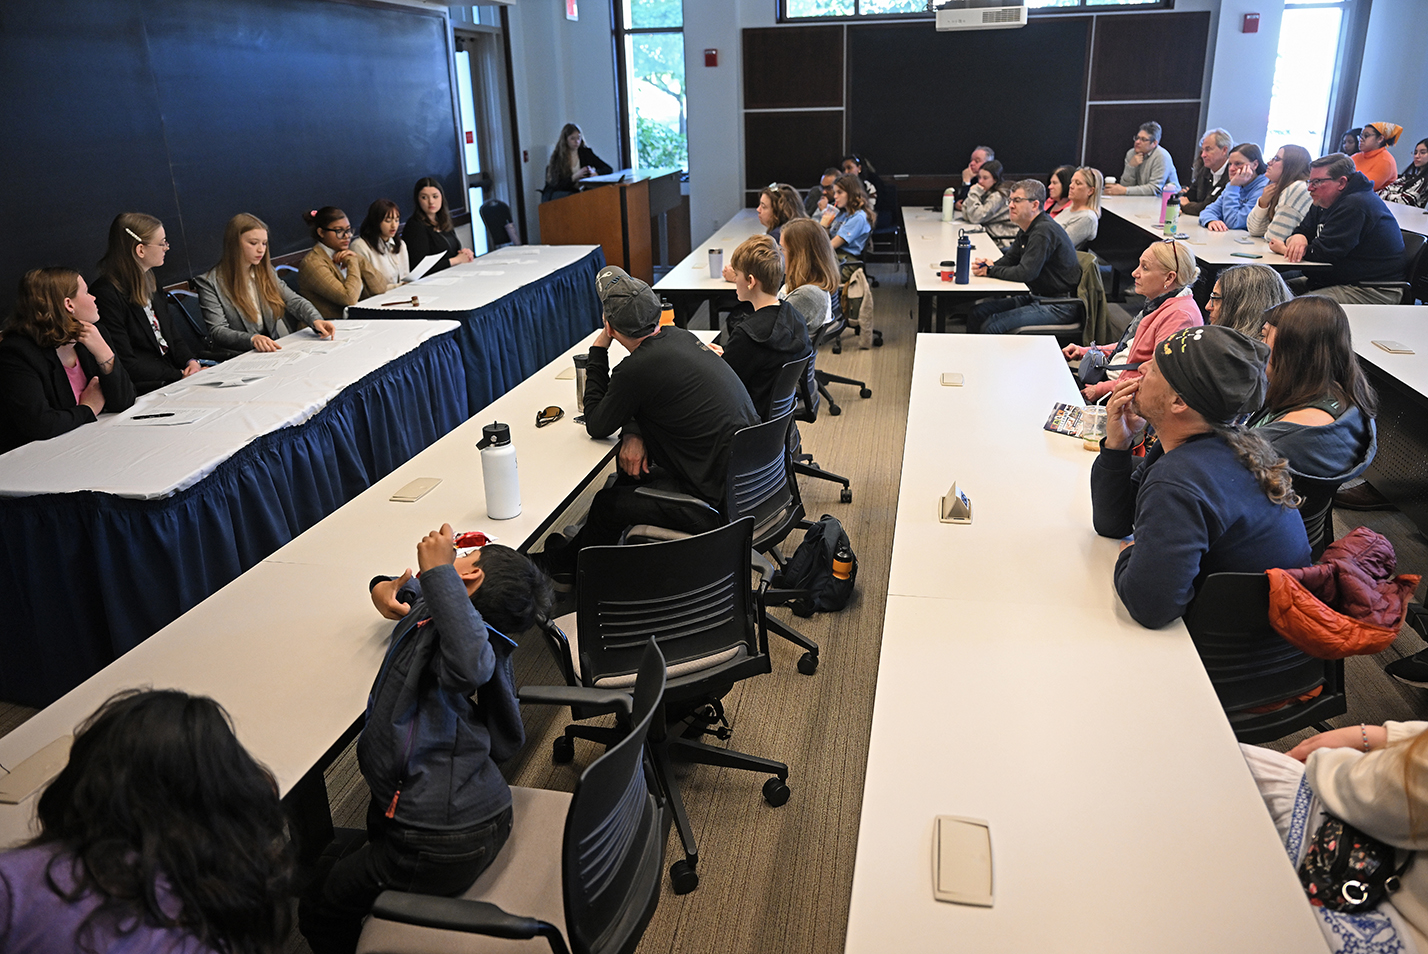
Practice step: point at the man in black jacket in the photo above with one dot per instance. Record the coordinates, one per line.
(1042, 257)
(1211, 172)
(1351, 229)
(677, 405)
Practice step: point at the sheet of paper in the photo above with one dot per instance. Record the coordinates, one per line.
(272, 362)
(425, 265)
(443, 280)
(490, 272)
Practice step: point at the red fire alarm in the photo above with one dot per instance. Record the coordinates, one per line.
(1251, 24)
(711, 57)
(470, 137)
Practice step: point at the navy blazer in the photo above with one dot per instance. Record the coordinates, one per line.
(36, 400)
(127, 329)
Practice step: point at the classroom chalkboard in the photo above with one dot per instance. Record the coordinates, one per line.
(193, 111)
(920, 100)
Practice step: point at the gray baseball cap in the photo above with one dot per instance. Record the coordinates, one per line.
(631, 306)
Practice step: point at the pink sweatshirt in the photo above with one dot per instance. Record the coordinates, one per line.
(1174, 315)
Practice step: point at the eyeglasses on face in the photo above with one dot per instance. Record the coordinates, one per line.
(164, 244)
(340, 233)
(1215, 297)
(1143, 139)
(1315, 183)
(1018, 198)
(549, 415)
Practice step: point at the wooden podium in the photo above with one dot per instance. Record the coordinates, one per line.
(613, 212)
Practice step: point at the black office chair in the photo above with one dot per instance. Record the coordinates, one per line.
(760, 483)
(190, 326)
(692, 596)
(889, 227)
(830, 332)
(1415, 263)
(1252, 666)
(289, 275)
(496, 215)
(1089, 293)
(796, 390)
(581, 870)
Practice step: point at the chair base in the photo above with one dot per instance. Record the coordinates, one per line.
(808, 468)
(824, 379)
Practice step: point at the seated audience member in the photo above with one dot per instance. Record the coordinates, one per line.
(854, 165)
(246, 306)
(1373, 158)
(134, 309)
(821, 196)
(810, 273)
(1349, 141)
(333, 276)
(791, 202)
(570, 162)
(849, 221)
(430, 230)
(56, 370)
(775, 333)
(1231, 210)
(442, 712)
(1411, 188)
(1351, 229)
(1285, 201)
(679, 404)
(161, 833)
(986, 203)
(1242, 294)
(772, 210)
(1370, 777)
(1081, 217)
(1042, 257)
(1209, 496)
(1164, 277)
(1149, 168)
(1210, 174)
(378, 242)
(980, 155)
(1058, 191)
(1319, 409)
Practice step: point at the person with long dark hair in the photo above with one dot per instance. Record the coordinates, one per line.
(1411, 188)
(160, 834)
(1231, 210)
(1285, 201)
(380, 244)
(1058, 191)
(570, 162)
(134, 309)
(332, 276)
(57, 371)
(430, 229)
(988, 202)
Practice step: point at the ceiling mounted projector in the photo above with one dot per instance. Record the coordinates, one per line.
(980, 15)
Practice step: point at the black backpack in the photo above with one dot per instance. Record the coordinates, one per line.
(811, 568)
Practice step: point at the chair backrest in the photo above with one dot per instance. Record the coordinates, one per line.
(495, 214)
(761, 482)
(289, 275)
(183, 309)
(1249, 664)
(1415, 264)
(1316, 509)
(692, 596)
(786, 385)
(888, 209)
(615, 832)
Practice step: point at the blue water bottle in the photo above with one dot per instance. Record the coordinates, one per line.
(964, 258)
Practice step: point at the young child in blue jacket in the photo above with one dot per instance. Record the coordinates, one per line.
(441, 714)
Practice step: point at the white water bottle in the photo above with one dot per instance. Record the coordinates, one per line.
(949, 205)
(498, 472)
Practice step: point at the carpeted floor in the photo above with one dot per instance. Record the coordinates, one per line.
(778, 879)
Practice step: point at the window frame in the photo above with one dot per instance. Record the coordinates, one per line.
(618, 32)
(1081, 8)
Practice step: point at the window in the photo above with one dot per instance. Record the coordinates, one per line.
(911, 9)
(649, 40)
(1311, 35)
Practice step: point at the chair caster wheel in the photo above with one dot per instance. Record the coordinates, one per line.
(837, 348)
(562, 751)
(834, 410)
(877, 339)
(682, 876)
(865, 393)
(808, 664)
(775, 792)
(846, 496)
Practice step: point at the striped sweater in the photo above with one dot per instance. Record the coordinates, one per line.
(1293, 206)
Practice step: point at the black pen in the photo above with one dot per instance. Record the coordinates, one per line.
(145, 417)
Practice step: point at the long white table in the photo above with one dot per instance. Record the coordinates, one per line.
(477, 283)
(689, 283)
(290, 648)
(1212, 248)
(931, 241)
(1410, 218)
(1013, 687)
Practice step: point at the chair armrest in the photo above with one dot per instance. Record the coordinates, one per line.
(1405, 289)
(674, 496)
(596, 700)
(648, 533)
(762, 565)
(469, 917)
(1055, 301)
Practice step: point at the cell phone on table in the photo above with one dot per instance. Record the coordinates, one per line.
(1246, 255)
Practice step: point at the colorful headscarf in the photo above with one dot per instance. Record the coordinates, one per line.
(1389, 131)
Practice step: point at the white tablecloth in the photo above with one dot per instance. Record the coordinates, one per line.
(119, 455)
(477, 284)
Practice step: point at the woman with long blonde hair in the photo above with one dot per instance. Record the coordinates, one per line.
(247, 307)
(810, 272)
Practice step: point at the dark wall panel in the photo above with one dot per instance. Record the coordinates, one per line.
(920, 100)
(1111, 131)
(1150, 56)
(790, 147)
(793, 67)
(194, 111)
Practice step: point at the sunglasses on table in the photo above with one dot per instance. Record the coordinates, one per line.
(549, 415)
